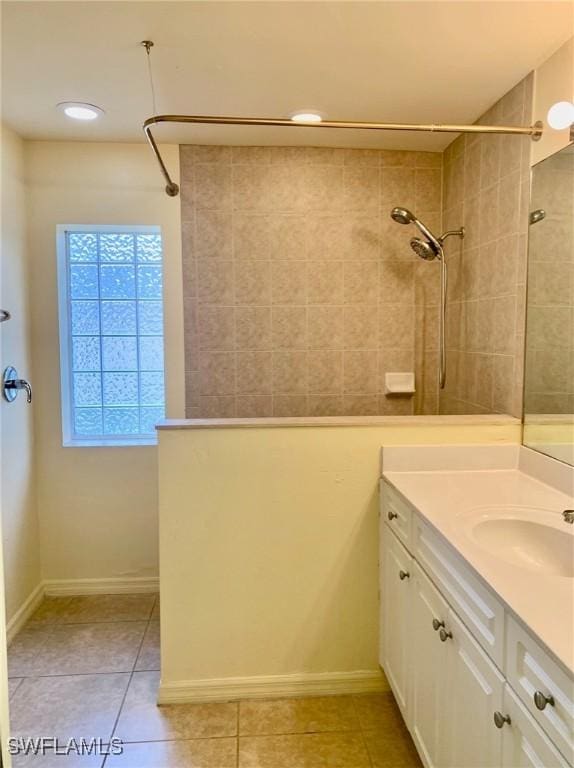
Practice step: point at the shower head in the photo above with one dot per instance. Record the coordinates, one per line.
(425, 249)
(402, 216)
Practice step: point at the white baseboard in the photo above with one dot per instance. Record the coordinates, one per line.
(272, 686)
(120, 586)
(24, 612)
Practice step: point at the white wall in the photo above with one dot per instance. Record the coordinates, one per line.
(97, 506)
(269, 552)
(19, 519)
(554, 81)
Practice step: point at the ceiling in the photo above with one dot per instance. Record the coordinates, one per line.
(369, 61)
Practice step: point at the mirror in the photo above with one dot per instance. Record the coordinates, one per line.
(549, 369)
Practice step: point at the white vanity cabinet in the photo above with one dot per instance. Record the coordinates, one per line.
(442, 649)
(396, 580)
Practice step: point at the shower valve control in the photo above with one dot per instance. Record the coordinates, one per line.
(11, 385)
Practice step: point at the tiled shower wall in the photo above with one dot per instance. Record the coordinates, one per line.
(300, 292)
(487, 191)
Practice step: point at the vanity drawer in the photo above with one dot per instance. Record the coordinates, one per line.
(476, 605)
(530, 670)
(395, 512)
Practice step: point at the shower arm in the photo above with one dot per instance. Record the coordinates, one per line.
(172, 189)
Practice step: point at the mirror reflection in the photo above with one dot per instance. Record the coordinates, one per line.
(549, 372)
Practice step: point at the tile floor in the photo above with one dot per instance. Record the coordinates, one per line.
(89, 667)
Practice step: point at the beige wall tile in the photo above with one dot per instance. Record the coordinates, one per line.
(289, 282)
(290, 371)
(212, 187)
(325, 405)
(253, 328)
(213, 235)
(325, 371)
(360, 372)
(217, 373)
(216, 327)
(361, 327)
(428, 183)
(253, 373)
(325, 327)
(361, 279)
(253, 283)
(215, 283)
(253, 406)
(290, 405)
(289, 325)
(361, 189)
(397, 326)
(325, 282)
(282, 253)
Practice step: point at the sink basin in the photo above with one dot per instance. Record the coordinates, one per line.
(527, 537)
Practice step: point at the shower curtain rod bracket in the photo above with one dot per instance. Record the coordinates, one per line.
(172, 189)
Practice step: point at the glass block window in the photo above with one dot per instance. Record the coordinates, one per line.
(111, 333)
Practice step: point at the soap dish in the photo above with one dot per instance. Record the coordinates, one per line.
(400, 383)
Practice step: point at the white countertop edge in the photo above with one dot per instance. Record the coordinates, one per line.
(340, 421)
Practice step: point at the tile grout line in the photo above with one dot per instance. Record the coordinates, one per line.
(361, 731)
(131, 677)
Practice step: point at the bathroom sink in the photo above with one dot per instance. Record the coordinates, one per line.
(527, 537)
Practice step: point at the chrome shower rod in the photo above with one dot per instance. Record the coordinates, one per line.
(172, 189)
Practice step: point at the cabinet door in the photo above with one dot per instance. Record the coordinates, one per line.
(475, 690)
(395, 616)
(524, 744)
(430, 657)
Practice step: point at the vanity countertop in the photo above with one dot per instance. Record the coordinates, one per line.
(543, 601)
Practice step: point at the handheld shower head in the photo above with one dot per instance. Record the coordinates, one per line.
(424, 249)
(402, 216)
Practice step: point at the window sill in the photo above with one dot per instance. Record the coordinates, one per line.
(146, 441)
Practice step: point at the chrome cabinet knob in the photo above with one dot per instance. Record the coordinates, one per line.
(444, 635)
(404, 575)
(500, 719)
(541, 700)
(391, 515)
(437, 624)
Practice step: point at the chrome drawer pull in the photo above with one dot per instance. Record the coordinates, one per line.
(444, 635)
(404, 575)
(541, 700)
(436, 624)
(391, 515)
(500, 719)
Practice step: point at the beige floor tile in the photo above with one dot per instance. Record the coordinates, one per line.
(378, 711)
(392, 748)
(142, 720)
(81, 706)
(75, 649)
(197, 753)
(89, 609)
(50, 760)
(308, 715)
(149, 655)
(310, 750)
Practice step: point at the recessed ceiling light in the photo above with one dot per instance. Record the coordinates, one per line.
(306, 117)
(561, 115)
(77, 110)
